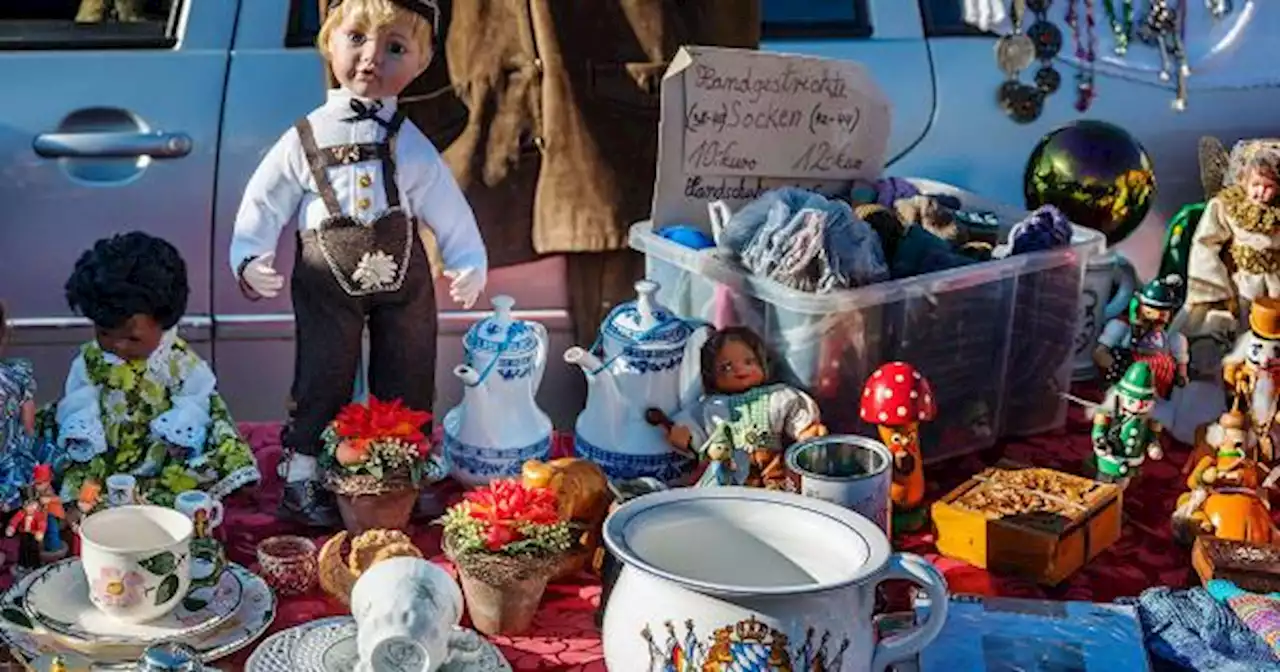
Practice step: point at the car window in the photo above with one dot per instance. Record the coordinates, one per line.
(945, 18)
(304, 23)
(816, 18)
(88, 24)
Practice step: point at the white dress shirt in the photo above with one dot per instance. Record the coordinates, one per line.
(283, 187)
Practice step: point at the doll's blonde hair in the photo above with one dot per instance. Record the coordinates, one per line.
(373, 15)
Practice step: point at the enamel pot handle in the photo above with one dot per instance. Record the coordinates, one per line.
(913, 568)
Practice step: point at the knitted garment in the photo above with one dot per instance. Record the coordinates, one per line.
(1260, 613)
(805, 241)
(1192, 629)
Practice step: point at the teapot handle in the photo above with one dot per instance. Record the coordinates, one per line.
(540, 358)
(691, 367)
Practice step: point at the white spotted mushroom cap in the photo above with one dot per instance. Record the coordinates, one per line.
(895, 395)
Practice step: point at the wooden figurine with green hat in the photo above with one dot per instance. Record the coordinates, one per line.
(1124, 433)
(1146, 337)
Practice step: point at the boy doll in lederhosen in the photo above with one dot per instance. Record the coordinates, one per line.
(360, 179)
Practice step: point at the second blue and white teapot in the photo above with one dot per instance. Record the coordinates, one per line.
(647, 357)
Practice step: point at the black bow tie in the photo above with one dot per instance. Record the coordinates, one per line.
(365, 112)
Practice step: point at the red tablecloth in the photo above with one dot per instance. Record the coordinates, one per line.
(566, 637)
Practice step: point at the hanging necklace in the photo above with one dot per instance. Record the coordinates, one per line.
(1048, 40)
(1016, 52)
(1165, 28)
(1086, 55)
(1121, 23)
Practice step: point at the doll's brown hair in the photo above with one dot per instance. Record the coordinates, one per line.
(717, 340)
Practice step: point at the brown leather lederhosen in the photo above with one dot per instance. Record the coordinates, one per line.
(334, 298)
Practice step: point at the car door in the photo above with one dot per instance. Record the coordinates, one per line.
(1234, 91)
(109, 126)
(885, 36)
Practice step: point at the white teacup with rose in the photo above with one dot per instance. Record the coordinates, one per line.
(137, 560)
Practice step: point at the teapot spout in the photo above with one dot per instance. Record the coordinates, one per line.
(469, 376)
(589, 363)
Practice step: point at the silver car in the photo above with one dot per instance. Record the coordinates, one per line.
(157, 125)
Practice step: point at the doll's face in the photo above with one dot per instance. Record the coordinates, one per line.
(1261, 187)
(737, 368)
(1154, 317)
(136, 339)
(898, 439)
(1262, 352)
(375, 62)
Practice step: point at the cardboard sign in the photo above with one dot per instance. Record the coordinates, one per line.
(736, 123)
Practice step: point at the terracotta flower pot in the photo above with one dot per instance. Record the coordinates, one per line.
(385, 511)
(503, 592)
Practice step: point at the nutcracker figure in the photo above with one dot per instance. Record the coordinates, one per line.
(1146, 337)
(1123, 431)
(1251, 372)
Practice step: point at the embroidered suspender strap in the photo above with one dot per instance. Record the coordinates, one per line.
(317, 166)
(342, 155)
(389, 160)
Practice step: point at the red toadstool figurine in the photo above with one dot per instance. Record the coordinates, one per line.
(896, 399)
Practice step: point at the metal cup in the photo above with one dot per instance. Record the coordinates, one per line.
(852, 471)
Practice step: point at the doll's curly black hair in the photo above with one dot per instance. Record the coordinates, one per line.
(129, 274)
(717, 340)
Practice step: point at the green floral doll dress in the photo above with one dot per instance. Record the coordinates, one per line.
(160, 419)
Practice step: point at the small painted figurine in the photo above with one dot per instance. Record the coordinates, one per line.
(1145, 337)
(1235, 253)
(1251, 372)
(743, 418)
(51, 504)
(39, 514)
(1124, 433)
(896, 399)
(1226, 498)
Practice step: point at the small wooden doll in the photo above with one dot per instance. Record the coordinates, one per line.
(1226, 496)
(1145, 337)
(1124, 433)
(51, 505)
(896, 399)
(1251, 372)
(743, 418)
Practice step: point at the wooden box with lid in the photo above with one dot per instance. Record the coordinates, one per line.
(1034, 523)
(1251, 567)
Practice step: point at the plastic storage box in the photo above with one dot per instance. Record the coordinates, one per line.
(995, 339)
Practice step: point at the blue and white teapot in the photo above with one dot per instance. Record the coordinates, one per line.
(498, 425)
(647, 357)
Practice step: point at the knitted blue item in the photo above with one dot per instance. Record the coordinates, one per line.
(1045, 229)
(919, 252)
(1194, 630)
(805, 241)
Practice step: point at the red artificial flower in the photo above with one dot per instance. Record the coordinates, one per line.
(508, 502)
(382, 421)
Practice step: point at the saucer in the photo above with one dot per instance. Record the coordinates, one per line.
(58, 599)
(28, 640)
(329, 645)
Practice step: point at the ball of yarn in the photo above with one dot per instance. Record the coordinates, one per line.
(687, 235)
(1045, 229)
(890, 190)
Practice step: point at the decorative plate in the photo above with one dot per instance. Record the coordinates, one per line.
(28, 640)
(58, 599)
(329, 645)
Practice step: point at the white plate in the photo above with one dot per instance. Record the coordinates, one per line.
(58, 599)
(329, 645)
(28, 640)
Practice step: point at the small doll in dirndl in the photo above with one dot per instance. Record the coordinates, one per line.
(361, 181)
(744, 423)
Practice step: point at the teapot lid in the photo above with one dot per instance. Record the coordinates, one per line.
(489, 334)
(644, 321)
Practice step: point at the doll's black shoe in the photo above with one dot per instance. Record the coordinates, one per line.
(307, 503)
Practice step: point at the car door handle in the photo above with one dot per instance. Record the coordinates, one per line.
(112, 144)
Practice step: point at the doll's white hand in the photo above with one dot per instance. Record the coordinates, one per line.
(261, 277)
(465, 285)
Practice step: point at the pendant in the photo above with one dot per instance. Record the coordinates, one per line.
(1014, 53)
(1219, 9)
(1160, 29)
(1048, 80)
(1022, 102)
(1047, 38)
